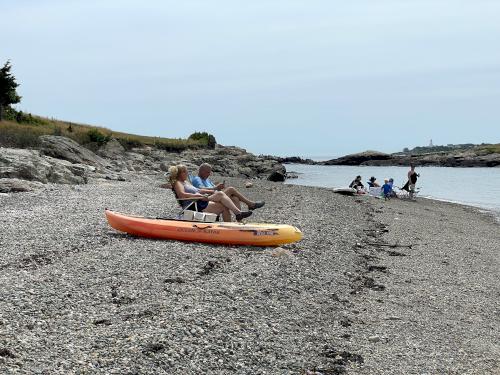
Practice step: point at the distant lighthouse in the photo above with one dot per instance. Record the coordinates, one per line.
(430, 143)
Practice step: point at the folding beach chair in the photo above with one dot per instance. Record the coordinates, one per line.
(405, 192)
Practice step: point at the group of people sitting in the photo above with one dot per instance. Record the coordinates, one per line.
(386, 190)
(201, 194)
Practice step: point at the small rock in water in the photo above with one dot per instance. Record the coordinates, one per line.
(248, 184)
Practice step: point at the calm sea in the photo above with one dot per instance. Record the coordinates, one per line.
(478, 187)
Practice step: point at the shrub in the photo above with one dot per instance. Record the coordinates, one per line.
(96, 136)
(204, 138)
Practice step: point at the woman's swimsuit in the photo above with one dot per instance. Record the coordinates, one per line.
(413, 178)
(197, 205)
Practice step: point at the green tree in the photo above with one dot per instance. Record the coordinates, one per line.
(8, 85)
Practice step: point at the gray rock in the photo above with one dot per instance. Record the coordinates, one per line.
(111, 149)
(67, 149)
(15, 185)
(135, 157)
(30, 165)
(359, 158)
(278, 174)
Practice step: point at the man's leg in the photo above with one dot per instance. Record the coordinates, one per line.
(234, 194)
(218, 208)
(235, 200)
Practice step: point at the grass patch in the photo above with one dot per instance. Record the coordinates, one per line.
(25, 132)
(490, 149)
(26, 136)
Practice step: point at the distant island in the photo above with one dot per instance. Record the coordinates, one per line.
(462, 155)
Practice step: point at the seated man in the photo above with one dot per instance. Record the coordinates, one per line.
(202, 181)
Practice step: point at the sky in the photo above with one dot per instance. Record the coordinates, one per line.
(280, 77)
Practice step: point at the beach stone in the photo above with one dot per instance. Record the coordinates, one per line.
(281, 252)
(374, 338)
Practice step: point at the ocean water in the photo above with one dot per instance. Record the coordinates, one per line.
(479, 187)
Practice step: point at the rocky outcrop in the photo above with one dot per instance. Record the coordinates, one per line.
(464, 158)
(32, 166)
(61, 160)
(296, 160)
(111, 149)
(15, 185)
(67, 149)
(362, 158)
(232, 161)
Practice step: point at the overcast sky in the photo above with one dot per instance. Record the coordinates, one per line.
(275, 77)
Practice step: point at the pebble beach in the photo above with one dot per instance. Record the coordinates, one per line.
(374, 287)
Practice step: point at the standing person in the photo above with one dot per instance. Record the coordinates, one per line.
(412, 180)
(202, 181)
(357, 184)
(213, 202)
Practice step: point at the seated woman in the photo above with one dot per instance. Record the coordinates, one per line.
(357, 184)
(373, 182)
(208, 200)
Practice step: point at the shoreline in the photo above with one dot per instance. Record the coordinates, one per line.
(368, 289)
(311, 178)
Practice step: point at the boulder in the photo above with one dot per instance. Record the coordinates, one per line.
(246, 172)
(67, 149)
(15, 185)
(32, 166)
(278, 174)
(135, 157)
(111, 149)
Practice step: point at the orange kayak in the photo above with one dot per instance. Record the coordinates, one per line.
(217, 233)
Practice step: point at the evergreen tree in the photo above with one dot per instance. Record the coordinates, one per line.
(8, 85)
